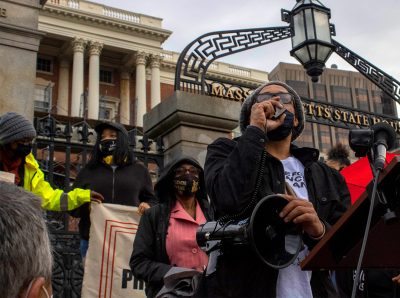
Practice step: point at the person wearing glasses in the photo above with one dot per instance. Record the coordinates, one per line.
(271, 118)
(19, 166)
(166, 236)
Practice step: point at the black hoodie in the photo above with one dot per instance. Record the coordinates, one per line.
(127, 184)
(149, 260)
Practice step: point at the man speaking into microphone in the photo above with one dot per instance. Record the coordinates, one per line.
(271, 118)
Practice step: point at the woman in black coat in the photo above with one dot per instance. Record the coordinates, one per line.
(113, 173)
(183, 204)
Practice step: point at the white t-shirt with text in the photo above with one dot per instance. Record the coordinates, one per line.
(292, 281)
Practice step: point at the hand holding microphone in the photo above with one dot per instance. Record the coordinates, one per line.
(267, 115)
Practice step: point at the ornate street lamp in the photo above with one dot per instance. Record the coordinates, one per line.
(311, 35)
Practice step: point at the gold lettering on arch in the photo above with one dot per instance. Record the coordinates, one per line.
(311, 109)
(232, 93)
(352, 119)
(229, 93)
(217, 90)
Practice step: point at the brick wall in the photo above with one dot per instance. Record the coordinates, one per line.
(166, 90)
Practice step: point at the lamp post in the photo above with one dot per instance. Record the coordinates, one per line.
(311, 35)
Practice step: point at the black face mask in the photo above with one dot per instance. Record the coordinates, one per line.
(284, 130)
(186, 185)
(107, 147)
(23, 150)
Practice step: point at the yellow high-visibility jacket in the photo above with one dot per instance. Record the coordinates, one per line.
(52, 199)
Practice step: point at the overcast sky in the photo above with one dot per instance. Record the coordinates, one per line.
(369, 28)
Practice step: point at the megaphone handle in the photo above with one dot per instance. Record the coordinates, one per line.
(212, 261)
(289, 190)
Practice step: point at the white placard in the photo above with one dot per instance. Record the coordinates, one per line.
(7, 177)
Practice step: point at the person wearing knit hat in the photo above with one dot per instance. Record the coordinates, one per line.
(18, 165)
(263, 161)
(252, 99)
(14, 127)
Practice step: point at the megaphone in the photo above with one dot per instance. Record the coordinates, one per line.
(275, 242)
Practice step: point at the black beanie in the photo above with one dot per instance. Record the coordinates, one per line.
(14, 127)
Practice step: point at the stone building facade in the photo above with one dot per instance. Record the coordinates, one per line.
(19, 43)
(101, 62)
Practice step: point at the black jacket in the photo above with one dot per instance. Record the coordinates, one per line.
(230, 171)
(149, 260)
(129, 185)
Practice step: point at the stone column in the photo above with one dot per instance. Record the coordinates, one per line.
(155, 81)
(63, 87)
(140, 88)
(19, 44)
(189, 122)
(94, 72)
(78, 45)
(125, 98)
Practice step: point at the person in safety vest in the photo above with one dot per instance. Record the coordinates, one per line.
(18, 164)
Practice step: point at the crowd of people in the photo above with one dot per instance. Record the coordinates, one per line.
(237, 173)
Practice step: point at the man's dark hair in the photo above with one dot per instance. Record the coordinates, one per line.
(339, 153)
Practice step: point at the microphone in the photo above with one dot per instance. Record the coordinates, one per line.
(384, 139)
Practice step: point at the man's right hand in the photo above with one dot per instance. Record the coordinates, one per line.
(262, 113)
(96, 197)
(396, 279)
(302, 212)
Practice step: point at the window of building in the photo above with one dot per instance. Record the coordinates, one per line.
(377, 100)
(319, 92)
(342, 136)
(43, 97)
(306, 139)
(105, 113)
(108, 109)
(388, 105)
(106, 76)
(341, 95)
(44, 64)
(324, 137)
(362, 99)
(300, 87)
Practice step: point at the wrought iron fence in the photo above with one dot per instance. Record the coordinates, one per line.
(62, 150)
